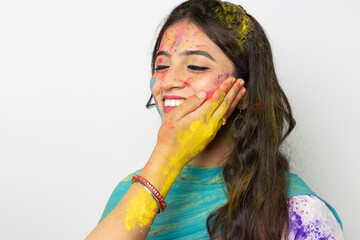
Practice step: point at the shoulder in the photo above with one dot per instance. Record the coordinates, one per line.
(310, 218)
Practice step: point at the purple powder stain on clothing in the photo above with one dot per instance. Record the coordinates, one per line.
(296, 225)
(303, 231)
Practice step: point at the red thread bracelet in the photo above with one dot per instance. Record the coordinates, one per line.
(154, 193)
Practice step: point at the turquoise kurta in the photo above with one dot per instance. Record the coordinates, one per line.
(194, 195)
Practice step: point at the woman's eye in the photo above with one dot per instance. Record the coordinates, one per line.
(197, 68)
(161, 67)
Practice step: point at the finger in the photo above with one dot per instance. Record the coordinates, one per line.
(239, 96)
(189, 105)
(230, 101)
(215, 100)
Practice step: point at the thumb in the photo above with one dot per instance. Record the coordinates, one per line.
(200, 95)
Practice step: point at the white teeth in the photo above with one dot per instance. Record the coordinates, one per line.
(173, 102)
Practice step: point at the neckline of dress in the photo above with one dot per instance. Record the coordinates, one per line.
(201, 175)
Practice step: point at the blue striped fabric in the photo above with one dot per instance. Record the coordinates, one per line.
(196, 193)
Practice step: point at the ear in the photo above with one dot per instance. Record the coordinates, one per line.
(243, 103)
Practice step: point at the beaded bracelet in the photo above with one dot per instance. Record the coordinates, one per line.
(152, 190)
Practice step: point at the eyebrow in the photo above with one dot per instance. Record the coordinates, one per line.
(188, 53)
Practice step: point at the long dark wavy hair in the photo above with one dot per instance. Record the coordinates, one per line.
(254, 173)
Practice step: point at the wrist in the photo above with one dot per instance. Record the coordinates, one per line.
(168, 155)
(160, 171)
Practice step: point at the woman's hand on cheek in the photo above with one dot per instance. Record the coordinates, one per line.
(187, 129)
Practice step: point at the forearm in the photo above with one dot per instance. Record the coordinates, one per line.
(133, 216)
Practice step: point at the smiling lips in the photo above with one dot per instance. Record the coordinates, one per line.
(171, 102)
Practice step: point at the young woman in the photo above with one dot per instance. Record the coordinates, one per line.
(216, 171)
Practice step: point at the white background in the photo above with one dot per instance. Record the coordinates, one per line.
(74, 80)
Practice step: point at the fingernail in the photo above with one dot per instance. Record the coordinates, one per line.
(243, 90)
(200, 94)
(233, 79)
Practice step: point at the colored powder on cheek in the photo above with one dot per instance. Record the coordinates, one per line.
(218, 82)
(157, 108)
(152, 82)
(187, 83)
(210, 94)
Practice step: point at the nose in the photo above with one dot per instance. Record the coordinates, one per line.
(175, 78)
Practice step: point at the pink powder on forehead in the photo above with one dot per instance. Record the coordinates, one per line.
(165, 36)
(177, 40)
(161, 46)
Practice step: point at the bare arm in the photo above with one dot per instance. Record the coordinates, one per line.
(184, 133)
(133, 216)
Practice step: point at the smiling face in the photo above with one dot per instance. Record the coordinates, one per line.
(187, 62)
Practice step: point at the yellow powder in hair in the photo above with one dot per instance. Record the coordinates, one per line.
(234, 18)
